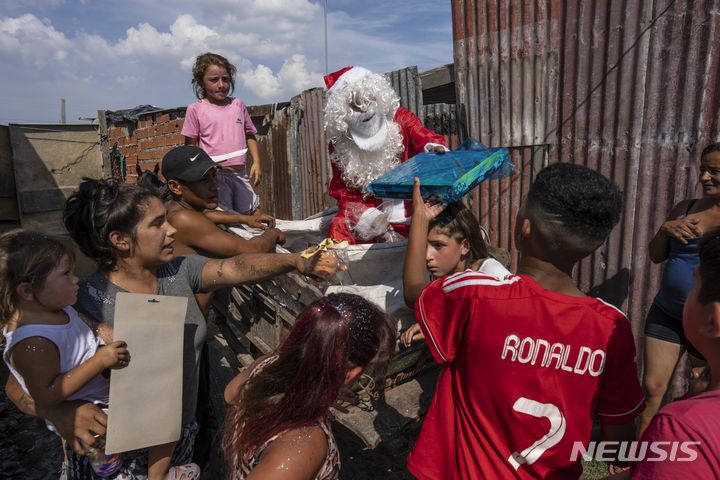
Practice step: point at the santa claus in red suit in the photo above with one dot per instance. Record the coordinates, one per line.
(369, 134)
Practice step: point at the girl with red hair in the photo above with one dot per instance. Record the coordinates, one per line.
(277, 425)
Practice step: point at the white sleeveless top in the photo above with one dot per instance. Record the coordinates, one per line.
(75, 342)
(490, 266)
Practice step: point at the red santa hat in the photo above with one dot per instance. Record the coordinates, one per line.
(337, 80)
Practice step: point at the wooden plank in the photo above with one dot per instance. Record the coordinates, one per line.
(438, 77)
(392, 412)
(7, 174)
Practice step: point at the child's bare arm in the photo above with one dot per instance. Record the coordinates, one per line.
(22, 400)
(38, 362)
(159, 457)
(414, 273)
(255, 172)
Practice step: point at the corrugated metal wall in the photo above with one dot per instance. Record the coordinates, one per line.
(640, 103)
(313, 164)
(628, 88)
(442, 117)
(504, 65)
(406, 83)
(274, 189)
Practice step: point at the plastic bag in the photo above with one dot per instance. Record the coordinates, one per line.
(369, 224)
(505, 169)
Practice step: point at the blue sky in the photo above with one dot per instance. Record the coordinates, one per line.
(101, 54)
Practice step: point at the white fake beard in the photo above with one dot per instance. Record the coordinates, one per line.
(360, 167)
(367, 125)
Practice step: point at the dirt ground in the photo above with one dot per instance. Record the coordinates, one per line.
(28, 450)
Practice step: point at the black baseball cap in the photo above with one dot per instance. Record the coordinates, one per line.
(186, 163)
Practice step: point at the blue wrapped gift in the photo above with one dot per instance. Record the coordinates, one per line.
(447, 176)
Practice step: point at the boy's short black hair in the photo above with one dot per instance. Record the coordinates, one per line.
(709, 269)
(574, 208)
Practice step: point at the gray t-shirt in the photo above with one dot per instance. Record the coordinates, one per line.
(179, 277)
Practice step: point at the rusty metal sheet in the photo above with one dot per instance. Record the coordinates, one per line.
(442, 118)
(313, 163)
(504, 64)
(407, 84)
(639, 105)
(496, 202)
(280, 132)
(626, 88)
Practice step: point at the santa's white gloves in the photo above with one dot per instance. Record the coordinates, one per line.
(435, 147)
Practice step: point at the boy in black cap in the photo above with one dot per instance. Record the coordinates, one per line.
(191, 178)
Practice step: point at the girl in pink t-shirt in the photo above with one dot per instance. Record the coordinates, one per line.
(221, 125)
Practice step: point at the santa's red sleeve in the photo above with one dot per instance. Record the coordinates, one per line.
(344, 195)
(415, 135)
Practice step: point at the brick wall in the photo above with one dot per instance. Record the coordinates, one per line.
(146, 142)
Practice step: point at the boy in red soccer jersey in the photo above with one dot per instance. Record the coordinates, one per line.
(530, 360)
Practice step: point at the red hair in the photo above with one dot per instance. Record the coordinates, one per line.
(298, 388)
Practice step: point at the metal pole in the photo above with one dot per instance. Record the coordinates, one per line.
(326, 44)
(62, 110)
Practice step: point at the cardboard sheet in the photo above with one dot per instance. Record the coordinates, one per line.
(146, 396)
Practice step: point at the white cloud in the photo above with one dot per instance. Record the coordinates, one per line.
(295, 77)
(292, 79)
(261, 81)
(271, 14)
(32, 41)
(185, 33)
(276, 45)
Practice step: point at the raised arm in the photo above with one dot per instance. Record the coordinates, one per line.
(255, 172)
(414, 272)
(36, 359)
(253, 268)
